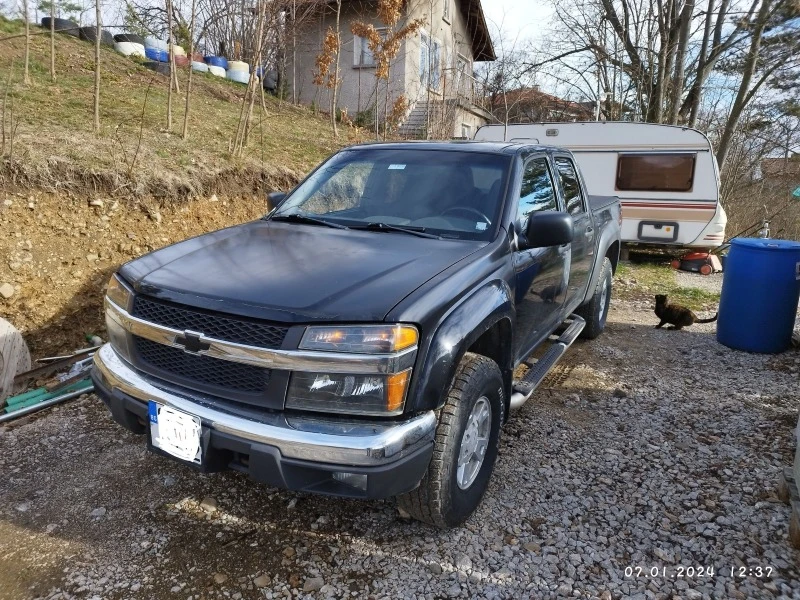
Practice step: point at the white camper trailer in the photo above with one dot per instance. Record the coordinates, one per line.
(665, 176)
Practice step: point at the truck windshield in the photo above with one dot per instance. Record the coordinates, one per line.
(451, 194)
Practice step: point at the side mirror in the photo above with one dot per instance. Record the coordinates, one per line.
(549, 228)
(275, 199)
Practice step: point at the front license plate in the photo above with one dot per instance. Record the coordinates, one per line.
(175, 432)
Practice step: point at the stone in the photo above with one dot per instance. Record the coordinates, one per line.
(98, 203)
(532, 547)
(313, 584)
(564, 590)
(289, 552)
(262, 580)
(435, 568)
(220, 578)
(209, 504)
(6, 290)
(463, 562)
(98, 512)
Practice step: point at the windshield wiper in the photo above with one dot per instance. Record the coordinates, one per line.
(411, 230)
(298, 218)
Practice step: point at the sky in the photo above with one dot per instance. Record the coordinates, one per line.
(519, 19)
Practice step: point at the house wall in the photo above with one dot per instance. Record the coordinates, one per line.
(357, 91)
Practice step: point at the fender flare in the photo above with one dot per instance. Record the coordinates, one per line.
(606, 243)
(463, 325)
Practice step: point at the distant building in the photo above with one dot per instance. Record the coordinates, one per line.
(531, 105)
(781, 167)
(433, 69)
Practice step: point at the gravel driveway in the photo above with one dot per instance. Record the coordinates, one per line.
(647, 453)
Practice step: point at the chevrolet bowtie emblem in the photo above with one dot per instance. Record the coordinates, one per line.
(192, 342)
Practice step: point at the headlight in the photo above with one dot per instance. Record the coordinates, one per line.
(383, 395)
(119, 293)
(364, 339)
(122, 296)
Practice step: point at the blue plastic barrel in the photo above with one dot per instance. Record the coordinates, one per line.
(760, 292)
(216, 61)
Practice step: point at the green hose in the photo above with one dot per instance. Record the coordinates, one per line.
(42, 395)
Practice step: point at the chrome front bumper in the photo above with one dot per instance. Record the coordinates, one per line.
(334, 441)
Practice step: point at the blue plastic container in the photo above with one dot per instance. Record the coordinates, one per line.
(156, 54)
(216, 61)
(760, 292)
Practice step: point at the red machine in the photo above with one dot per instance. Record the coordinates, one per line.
(704, 263)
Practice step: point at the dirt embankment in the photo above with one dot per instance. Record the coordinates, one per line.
(58, 251)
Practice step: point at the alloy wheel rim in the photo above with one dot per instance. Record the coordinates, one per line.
(474, 443)
(603, 302)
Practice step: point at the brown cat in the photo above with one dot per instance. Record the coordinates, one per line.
(676, 315)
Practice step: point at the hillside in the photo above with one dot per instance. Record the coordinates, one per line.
(54, 147)
(74, 206)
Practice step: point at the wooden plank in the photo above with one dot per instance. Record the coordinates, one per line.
(14, 358)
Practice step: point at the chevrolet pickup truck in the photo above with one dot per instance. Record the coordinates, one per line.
(370, 335)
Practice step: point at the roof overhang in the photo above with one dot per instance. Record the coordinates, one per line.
(482, 46)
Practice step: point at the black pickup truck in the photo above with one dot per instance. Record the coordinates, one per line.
(363, 338)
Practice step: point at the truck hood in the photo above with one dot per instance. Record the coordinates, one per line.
(294, 272)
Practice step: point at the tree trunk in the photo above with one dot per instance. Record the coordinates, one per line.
(294, 52)
(26, 78)
(252, 83)
(53, 41)
(743, 95)
(696, 92)
(185, 133)
(171, 64)
(98, 32)
(335, 87)
(680, 58)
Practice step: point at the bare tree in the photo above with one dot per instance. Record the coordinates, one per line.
(185, 133)
(171, 57)
(98, 36)
(53, 41)
(26, 78)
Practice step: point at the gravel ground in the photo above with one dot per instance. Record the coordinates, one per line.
(647, 453)
(709, 283)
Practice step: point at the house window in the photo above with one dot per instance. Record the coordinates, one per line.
(466, 131)
(362, 55)
(446, 10)
(430, 61)
(655, 172)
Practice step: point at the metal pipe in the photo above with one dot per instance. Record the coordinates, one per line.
(37, 407)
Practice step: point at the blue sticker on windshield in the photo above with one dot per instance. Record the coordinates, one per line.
(480, 226)
(397, 167)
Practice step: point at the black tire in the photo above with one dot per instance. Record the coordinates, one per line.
(596, 310)
(129, 37)
(439, 500)
(62, 26)
(89, 34)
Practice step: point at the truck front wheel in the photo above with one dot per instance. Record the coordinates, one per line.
(596, 310)
(465, 447)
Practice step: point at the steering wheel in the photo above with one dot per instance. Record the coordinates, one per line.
(467, 209)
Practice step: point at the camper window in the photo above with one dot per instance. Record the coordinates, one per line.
(655, 172)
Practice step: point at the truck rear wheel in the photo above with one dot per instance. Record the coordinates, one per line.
(595, 311)
(465, 447)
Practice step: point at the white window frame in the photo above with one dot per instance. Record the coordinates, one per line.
(446, 10)
(361, 50)
(426, 65)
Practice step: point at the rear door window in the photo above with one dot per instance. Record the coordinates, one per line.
(656, 172)
(573, 195)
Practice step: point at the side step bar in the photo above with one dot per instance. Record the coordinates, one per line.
(524, 388)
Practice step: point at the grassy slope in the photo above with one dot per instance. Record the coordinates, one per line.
(55, 147)
(648, 279)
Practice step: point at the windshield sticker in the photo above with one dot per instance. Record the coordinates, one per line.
(480, 226)
(397, 167)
